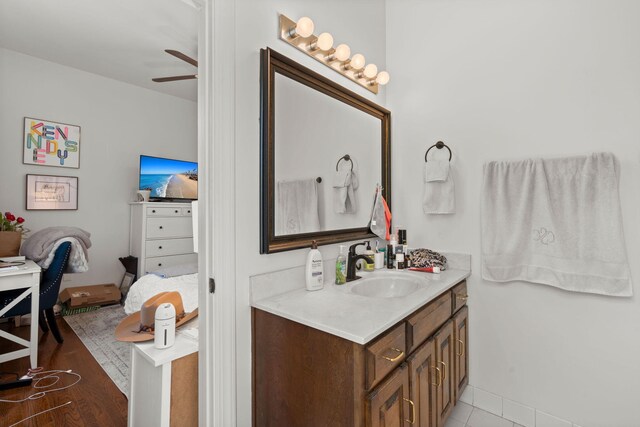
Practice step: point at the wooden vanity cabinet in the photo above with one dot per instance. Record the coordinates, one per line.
(410, 375)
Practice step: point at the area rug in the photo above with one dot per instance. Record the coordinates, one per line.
(95, 329)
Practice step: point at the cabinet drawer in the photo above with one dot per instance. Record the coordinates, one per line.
(384, 354)
(155, 248)
(152, 264)
(424, 322)
(158, 228)
(459, 296)
(165, 211)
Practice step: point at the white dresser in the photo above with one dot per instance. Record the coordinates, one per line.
(161, 235)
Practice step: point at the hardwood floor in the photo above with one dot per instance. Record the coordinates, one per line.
(95, 400)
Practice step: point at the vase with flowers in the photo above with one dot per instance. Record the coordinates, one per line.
(11, 231)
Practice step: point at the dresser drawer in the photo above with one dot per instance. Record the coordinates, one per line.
(424, 322)
(155, 248)
(165, 211)
(152, 264)
(384, 354)
(158, 228)
(459, 295)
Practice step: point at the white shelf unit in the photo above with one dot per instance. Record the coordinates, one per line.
(161, 235)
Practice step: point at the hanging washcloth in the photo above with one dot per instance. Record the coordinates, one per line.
(297, 208)
(345, 183)
(557, 222)
(439, 194)
(380, 216)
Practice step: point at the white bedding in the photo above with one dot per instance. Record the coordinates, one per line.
(150, 285)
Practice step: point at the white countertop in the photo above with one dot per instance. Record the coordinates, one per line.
(357, 318)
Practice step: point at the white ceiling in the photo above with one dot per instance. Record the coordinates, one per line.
(120, 39)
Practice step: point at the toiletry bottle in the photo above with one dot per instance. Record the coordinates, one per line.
(369, 266)
(390, 257)
(400, 261)
(341, 267)
(313, 270)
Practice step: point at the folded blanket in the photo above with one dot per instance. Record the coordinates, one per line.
(556, 222)
(41, 245)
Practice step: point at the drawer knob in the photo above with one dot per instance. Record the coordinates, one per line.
(176, 211)
(159, 264)
(160, 227)
(394, 359)
(188, 211)
(159, 247)
(153, 211)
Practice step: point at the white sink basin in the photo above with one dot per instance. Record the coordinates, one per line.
(386, 286)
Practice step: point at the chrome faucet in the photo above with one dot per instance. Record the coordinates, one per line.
(352, 259)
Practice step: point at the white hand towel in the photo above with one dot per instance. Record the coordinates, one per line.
(439, 190)
(556, 222)
(297, 207)
(345, 182)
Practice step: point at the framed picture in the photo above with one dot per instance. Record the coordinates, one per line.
(48, 192)
(127, 281)
(47, 143)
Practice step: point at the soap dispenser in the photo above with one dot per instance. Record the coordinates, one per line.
(369, 266)
(313, 271)
(341, 267)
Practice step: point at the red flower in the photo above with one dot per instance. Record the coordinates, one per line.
(20, 220)
(7, 215)
(10, 216)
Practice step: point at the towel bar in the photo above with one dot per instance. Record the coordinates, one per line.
(439, 145)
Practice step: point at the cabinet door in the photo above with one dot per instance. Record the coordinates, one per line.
(423, 382)
(445, 357)
(388, 405)
(461, 326)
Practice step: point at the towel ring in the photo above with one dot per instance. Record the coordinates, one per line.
(439, 145)
(346, 157)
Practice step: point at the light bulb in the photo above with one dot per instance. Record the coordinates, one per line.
(304, 27)
(325, 41)
(383, 78)
(370, 71)
(342, 52)
(357, 61)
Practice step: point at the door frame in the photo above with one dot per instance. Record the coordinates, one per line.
(216, 221)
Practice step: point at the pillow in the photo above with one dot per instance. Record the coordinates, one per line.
(176, 270)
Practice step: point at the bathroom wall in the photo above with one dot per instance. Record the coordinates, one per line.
(118, 122)
(510, 79)
(360, 24)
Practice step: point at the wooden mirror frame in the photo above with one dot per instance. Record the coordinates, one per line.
(270, 63)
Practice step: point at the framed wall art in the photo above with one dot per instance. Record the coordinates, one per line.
(48, 192)
(47, 143)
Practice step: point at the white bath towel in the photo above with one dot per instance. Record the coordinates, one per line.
(556, 222)
(345, 183)
(297, 207)
(439, 190)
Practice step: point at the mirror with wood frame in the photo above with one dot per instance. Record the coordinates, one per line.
(324, 150)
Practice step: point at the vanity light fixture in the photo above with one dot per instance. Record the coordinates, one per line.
(300, 35)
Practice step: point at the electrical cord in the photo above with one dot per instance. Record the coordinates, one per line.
(40, 376)
(39, 413)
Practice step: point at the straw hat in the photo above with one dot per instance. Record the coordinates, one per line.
(139, 326)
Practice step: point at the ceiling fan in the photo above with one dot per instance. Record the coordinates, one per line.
(185, 58)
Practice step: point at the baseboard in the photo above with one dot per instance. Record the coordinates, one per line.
(517, 412)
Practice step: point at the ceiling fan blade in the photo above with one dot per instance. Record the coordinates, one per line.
(182, 56)
(174, 78)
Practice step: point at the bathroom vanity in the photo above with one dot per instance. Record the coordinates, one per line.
(376, 353)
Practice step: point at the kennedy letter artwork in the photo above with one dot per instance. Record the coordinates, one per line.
(51, 144)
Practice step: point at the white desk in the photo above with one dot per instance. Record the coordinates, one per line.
(26, 276)
(164, 383)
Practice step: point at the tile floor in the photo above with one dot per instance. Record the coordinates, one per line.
(465, 415)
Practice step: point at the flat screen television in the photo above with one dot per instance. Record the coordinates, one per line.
(168, 179)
